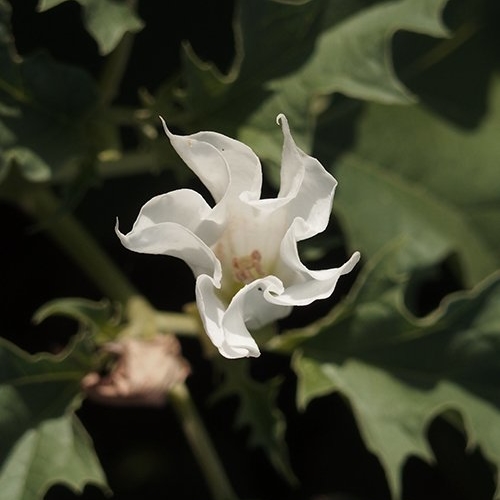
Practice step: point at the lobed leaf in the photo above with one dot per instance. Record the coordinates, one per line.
(291, 58)
(414, 174)
(101, 318)
(398, 371)
(43, 442)
(258, 411)
(352, 55)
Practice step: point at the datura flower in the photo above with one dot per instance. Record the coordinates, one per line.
(243, 249)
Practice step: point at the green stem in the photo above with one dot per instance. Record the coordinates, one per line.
(79, 244)
(182, 324)
(115, 67)
(137, 162)
(41, 204)
(201, 444)
(75, 240)
(441, 50)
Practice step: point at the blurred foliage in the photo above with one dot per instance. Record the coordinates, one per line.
(106, 20)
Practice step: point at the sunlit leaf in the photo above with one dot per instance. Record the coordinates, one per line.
(291, 58)
(352, 55)
(414, 174)
(398, 371)
(43, 442)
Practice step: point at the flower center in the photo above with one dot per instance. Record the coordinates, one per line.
(248, 268)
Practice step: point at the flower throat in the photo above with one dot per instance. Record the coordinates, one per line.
(248, 268)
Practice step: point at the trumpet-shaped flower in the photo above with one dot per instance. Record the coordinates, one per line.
(243, 250)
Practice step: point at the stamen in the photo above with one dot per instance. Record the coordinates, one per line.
(248, 268)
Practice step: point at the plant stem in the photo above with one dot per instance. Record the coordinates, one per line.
(39, 202)
(201, 444)
(79, 244)
(441, 50)
(137, 162)
(180, 323)
(75, 240)
(115, 67)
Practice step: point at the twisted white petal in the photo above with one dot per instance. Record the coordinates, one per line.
(243, 250)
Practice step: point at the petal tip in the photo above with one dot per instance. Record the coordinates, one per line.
(351, 263)
(282, 121)
(281, 118)
(121, 236)
(165, 128)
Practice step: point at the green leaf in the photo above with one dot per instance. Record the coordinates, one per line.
(290, 58)
(43, 442)
(43, 110)
(414, 174)
(58, 450)
(221, 102)
(397, 371)
(100, 318)
(106, 20)
(351, 56)
(258, 411)
(372, 197)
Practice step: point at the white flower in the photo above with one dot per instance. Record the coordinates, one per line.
(243, 250)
